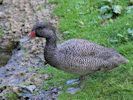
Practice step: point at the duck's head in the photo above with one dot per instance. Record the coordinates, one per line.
(42, 29)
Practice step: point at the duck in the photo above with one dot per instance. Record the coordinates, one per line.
(77, 56)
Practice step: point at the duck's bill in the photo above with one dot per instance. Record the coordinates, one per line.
(28, 37)
(32, 34)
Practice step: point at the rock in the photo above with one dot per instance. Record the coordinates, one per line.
(15, 89)
(6, 48)
(24, 89)
(22, 92)
(4, 58)
(31, 88)
(7, 26)
(46, 76)
(1, 2)
(2, 15)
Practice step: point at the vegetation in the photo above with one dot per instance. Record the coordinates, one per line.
(82, 19)
(1, 32)
(11, 96)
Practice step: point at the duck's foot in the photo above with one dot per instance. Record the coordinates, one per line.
(73, 81)
(72, 90)
(80, 82)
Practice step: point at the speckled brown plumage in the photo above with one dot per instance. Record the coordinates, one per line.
(77, 55)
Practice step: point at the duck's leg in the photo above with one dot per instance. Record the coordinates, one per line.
(82, 79)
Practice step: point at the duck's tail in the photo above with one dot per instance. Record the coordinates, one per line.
(119, 59)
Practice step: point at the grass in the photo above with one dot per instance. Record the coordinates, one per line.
(80, 19)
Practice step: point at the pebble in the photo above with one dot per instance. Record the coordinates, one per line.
(2, 15)
(31, 88)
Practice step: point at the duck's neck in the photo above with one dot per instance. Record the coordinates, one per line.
(50, 50)
(51, 43)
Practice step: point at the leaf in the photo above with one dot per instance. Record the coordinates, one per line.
(117, 9)
(130, 33)
(107, 1)
(105, 9)
(120, 35)
(66, 32)
(113, 41)
(131, 2)
(130, 30)
(107, 16)
(129, 9)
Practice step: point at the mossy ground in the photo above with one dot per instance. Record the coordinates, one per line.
(1, 32)
(80, 19)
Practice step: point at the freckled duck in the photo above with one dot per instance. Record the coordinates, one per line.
(76, 55)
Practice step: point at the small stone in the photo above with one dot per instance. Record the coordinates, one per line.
(31, 88)
(8, 26)
(33, 49)
(2, 15)
(15, 89)
(56, 90)
(46, 76)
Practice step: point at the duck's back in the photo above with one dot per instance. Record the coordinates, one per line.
(83, 48)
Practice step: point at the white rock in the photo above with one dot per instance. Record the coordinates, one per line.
(31, 87)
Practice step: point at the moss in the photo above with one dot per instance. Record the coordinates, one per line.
(11, 96)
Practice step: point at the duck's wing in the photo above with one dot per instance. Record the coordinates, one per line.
(82, 48)
(81, 65)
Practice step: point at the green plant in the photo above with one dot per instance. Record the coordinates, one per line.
(122, 38)
(11, 96)
(109, 10)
